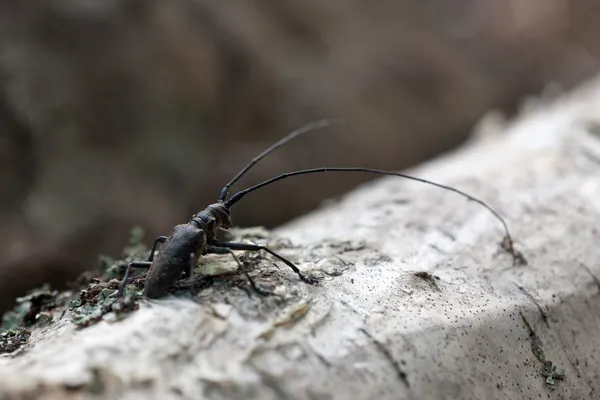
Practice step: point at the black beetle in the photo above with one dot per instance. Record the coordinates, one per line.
(188, 242)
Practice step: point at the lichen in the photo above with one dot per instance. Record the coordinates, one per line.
(552, 373)
(100, 301)
(13, 339)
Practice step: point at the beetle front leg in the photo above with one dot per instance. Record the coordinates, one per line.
(253, 247)
(225, 250)
(189, 271)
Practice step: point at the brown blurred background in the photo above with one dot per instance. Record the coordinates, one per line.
(115, 113)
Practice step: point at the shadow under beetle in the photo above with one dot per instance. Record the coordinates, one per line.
(182, 249)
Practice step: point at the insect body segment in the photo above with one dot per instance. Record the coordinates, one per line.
(179, 254)
(216, 216)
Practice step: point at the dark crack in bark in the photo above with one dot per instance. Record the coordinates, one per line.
(530, 296)
(401, 374)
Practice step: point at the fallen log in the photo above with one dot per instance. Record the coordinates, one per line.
(417, 300)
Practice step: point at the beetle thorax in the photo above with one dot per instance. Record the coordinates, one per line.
(214, 217)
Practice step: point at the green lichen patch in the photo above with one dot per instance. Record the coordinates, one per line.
(97, 298)
(99, 301)
(13, 339)
(39, 307)
(91, 298)
(552, 373)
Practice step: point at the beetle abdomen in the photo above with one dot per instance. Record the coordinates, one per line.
(181, 250)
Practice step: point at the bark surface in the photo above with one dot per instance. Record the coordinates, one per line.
(378, 326)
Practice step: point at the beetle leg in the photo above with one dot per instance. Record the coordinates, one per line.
(225, 250)
(160, 239)
(140, 264)
(189, 272)
(253, 247)
(135, 264)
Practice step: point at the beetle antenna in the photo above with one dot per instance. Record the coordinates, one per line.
(323, 123)
(507, 242)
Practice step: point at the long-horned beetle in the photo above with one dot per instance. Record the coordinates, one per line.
(182, 249)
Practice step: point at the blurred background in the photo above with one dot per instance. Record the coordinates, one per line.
(116, 113)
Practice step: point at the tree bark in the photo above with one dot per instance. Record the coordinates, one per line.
(416, 300)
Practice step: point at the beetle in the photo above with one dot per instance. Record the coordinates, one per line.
(182, 249)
